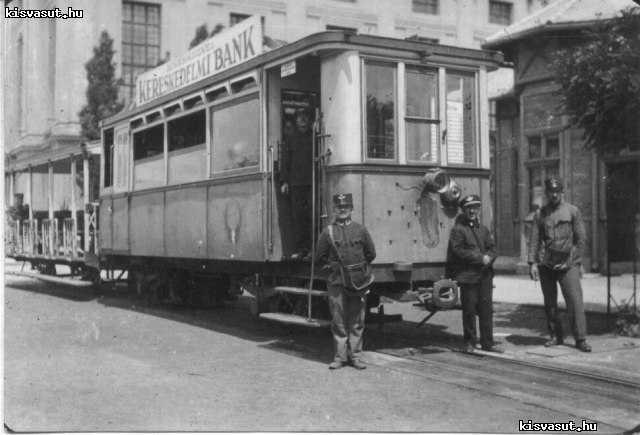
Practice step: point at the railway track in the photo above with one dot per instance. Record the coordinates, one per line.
(612, 402)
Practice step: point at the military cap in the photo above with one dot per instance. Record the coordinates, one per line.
(553, 184)
(470, 200)
(343, 199)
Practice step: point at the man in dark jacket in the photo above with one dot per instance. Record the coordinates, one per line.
(341, 244)
(555, 250)
(470, 258)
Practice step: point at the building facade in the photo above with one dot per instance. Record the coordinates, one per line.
(534, 141)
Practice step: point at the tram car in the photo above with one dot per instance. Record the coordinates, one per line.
(219, 179)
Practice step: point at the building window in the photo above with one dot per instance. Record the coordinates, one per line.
(236, 18)
(422, 121)
(461, 97)
(342, 28)
(236, 144)
(425, 6)
(140, 42)
(380, 84)
(500, 12)
(543, 162)
(186, 131)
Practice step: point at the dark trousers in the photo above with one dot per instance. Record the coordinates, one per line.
(347, 323)
(572, 292)
(301, 216)
(477, 300)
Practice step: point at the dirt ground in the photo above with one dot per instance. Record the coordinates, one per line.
(80, 361)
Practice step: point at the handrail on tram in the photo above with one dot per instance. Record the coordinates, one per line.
(313, 210)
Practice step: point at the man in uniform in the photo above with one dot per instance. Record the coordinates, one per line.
(555, 250)
(343, 243)
(470, 258)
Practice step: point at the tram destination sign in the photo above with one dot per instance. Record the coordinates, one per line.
(225, 50)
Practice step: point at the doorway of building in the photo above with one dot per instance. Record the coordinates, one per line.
(623, 197)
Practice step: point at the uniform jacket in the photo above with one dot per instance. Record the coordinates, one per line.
(468, 243)
(354, 243)
(557, 236)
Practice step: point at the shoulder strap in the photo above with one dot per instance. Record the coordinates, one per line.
(333, 242)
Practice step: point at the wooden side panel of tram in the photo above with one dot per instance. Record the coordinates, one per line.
(185, 222)
(235, 221)
(406, 222)
(120, 229)
(147, 224)
(106, 222)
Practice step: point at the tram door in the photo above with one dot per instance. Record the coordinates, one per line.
(299, 97)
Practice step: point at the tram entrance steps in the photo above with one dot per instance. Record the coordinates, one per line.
(294, 319)
(299, 291)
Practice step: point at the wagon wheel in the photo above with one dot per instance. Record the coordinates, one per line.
(279, 304)
(178, 288)
(51, 268)
(91, 274)
(258, 302)
(319, 307)
(156, 288)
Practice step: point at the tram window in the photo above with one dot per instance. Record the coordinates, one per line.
(380, 109)
(460, 118)
(108, 157)
(186, 131)
(236, 136)
(422, 123)
(148, 142)
(243, 85)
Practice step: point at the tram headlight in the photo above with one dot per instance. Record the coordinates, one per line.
(450, 195)
(438, 181)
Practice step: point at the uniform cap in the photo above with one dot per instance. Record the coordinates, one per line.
(553, 184)
(343, 199)
(470, 200)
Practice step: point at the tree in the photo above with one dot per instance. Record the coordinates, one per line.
(202, 34)
(102, 91)
(600, 83)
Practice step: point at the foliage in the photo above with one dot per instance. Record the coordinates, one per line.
(102, 90)
(202, 34)
(600, 83)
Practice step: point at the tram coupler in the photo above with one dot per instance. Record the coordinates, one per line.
(443, 295)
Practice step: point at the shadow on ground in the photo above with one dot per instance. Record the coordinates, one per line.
(526, 324)
(78, 294)
(532, 318)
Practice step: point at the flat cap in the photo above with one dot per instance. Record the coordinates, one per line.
(553, 184)
(469, 201)
(343, 199)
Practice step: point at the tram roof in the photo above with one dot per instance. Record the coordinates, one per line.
(335, 40)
